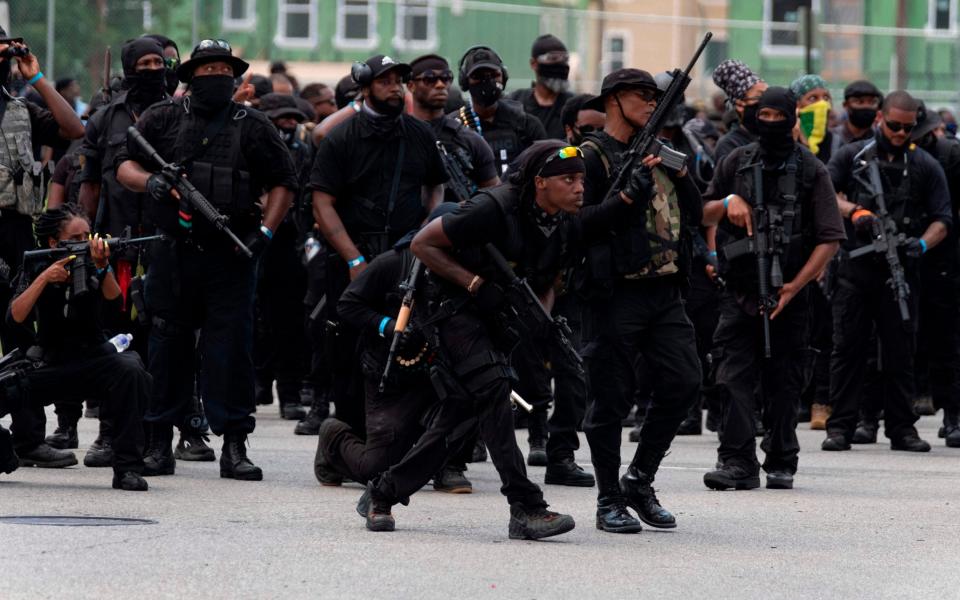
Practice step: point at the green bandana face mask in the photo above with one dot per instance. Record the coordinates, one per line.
(813, 123)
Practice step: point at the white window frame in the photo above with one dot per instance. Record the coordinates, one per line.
(248, 23)
(606, 55)
(309, 10)
(400, 40)
(767, 48)
(931, 26)
(372, 41)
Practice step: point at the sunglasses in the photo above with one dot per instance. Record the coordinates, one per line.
(432, 77)
(644, 94)
(585, 129)
(896, 126)
(171, 62)
(562, 154)
(552, 58)
(208, 44)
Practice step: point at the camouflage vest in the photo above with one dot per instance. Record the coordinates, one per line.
(19, 173)
(663, 229)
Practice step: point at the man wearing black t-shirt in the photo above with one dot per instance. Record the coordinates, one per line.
(375, 178)
(548, 94)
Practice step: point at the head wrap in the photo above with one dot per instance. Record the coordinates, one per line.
(428, 62)
(735, 78)
(803, 84)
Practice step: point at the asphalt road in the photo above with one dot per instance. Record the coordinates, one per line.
(866, 523)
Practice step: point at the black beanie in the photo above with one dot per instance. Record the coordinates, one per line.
(781, 99)
(136, 49)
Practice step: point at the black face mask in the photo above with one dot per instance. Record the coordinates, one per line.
(486, 92)
(776, 138)
(172, 81)
(286, 134)
(211, 93)
(749, 120)
(384, 107)
(861, 118)
(146, 87)
(554, 71)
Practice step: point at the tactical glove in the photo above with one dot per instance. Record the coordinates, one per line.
(639, 187)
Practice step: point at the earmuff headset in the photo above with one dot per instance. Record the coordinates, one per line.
(464, 81)
(361, 73)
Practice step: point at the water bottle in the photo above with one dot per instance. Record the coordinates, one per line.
(311, 247)
(121, 341)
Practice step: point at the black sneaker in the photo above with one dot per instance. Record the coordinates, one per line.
(99, 455)
(910, 443)
(322, 469)
(866, 433)
(63, 438)
(129, 481)
(732, 476)
(537, 523)
(234, 463)
(9, 462)
(45, 457)
(637, 489)
(452, 481)
(537, 456)
(193, 447)
(779, 480)
(568, 472)
(835, 442)
(613, 516)
(951, 436)
(479, 454)
(376, 512)
(158, 459)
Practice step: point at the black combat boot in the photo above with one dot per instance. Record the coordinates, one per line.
(100, 453)
(319, 410)
(951, 427)
(835, 442)
(376, 511)
(9, 462)
(234, 463)
(566, 471)
(63, 437)
(451, 480)
(637, 487)
(536, 522)
(158, 459)
(693, 424)
(538, 437)
(911, 442)
(479, 453)
(613, 516)
(193, 446)
(779, 480)
(129, 481)
(322, 469)
(45, 457)
(732, 476)
(866, 432)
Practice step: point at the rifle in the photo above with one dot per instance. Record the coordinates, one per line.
(35, 261)
(886, 239)
(766, 245)
(187, 191)
(107, 92)
(647, 140)
(529, 314)
(459, 183)
(408, 287)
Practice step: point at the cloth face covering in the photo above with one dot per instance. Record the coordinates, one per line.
(813, 123)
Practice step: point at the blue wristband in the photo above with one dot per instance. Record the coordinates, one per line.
(383, 326)
(103, 272)
(35, 78)
(726, 201)
(712, 253)
(266, 231)
(356, 262)
(923, 245)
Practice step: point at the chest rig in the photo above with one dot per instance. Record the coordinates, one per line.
(20, 175)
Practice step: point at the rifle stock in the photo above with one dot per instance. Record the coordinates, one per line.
(409, 288)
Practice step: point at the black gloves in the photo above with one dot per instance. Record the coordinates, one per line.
(639, 186)
(863, 221)
(914, 247)
(159, 186)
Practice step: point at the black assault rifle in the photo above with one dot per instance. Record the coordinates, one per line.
(81, 278)
(187, 191)
(454, 164)
(409, 288)
(886, 240)
(647, 140)
(528, 314)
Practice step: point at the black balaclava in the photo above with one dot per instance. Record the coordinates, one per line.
(776, 137)
(146, 86)
(211, 93)
(170, 72)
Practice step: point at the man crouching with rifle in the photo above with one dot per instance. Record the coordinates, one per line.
(76, 356)
(529, 221)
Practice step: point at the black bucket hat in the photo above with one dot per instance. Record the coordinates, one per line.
(208, 51)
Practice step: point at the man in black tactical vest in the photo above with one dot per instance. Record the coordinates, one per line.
(938, 343)
(632, 282)
(199, 280)
(24, 126)
(374, 179)
(503, 123)
(798, 216)
(909, 215)
(548, 94)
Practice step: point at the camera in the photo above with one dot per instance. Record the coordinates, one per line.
(15, 52)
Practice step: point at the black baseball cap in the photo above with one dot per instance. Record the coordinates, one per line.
(621, 79)
(4, 38)
(381, 64)
(481, 58)
(861, 88)
(276, 106)
(208, 51)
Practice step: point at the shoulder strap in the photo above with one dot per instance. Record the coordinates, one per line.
(395, 184)
(787, 185)
(593, 145)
